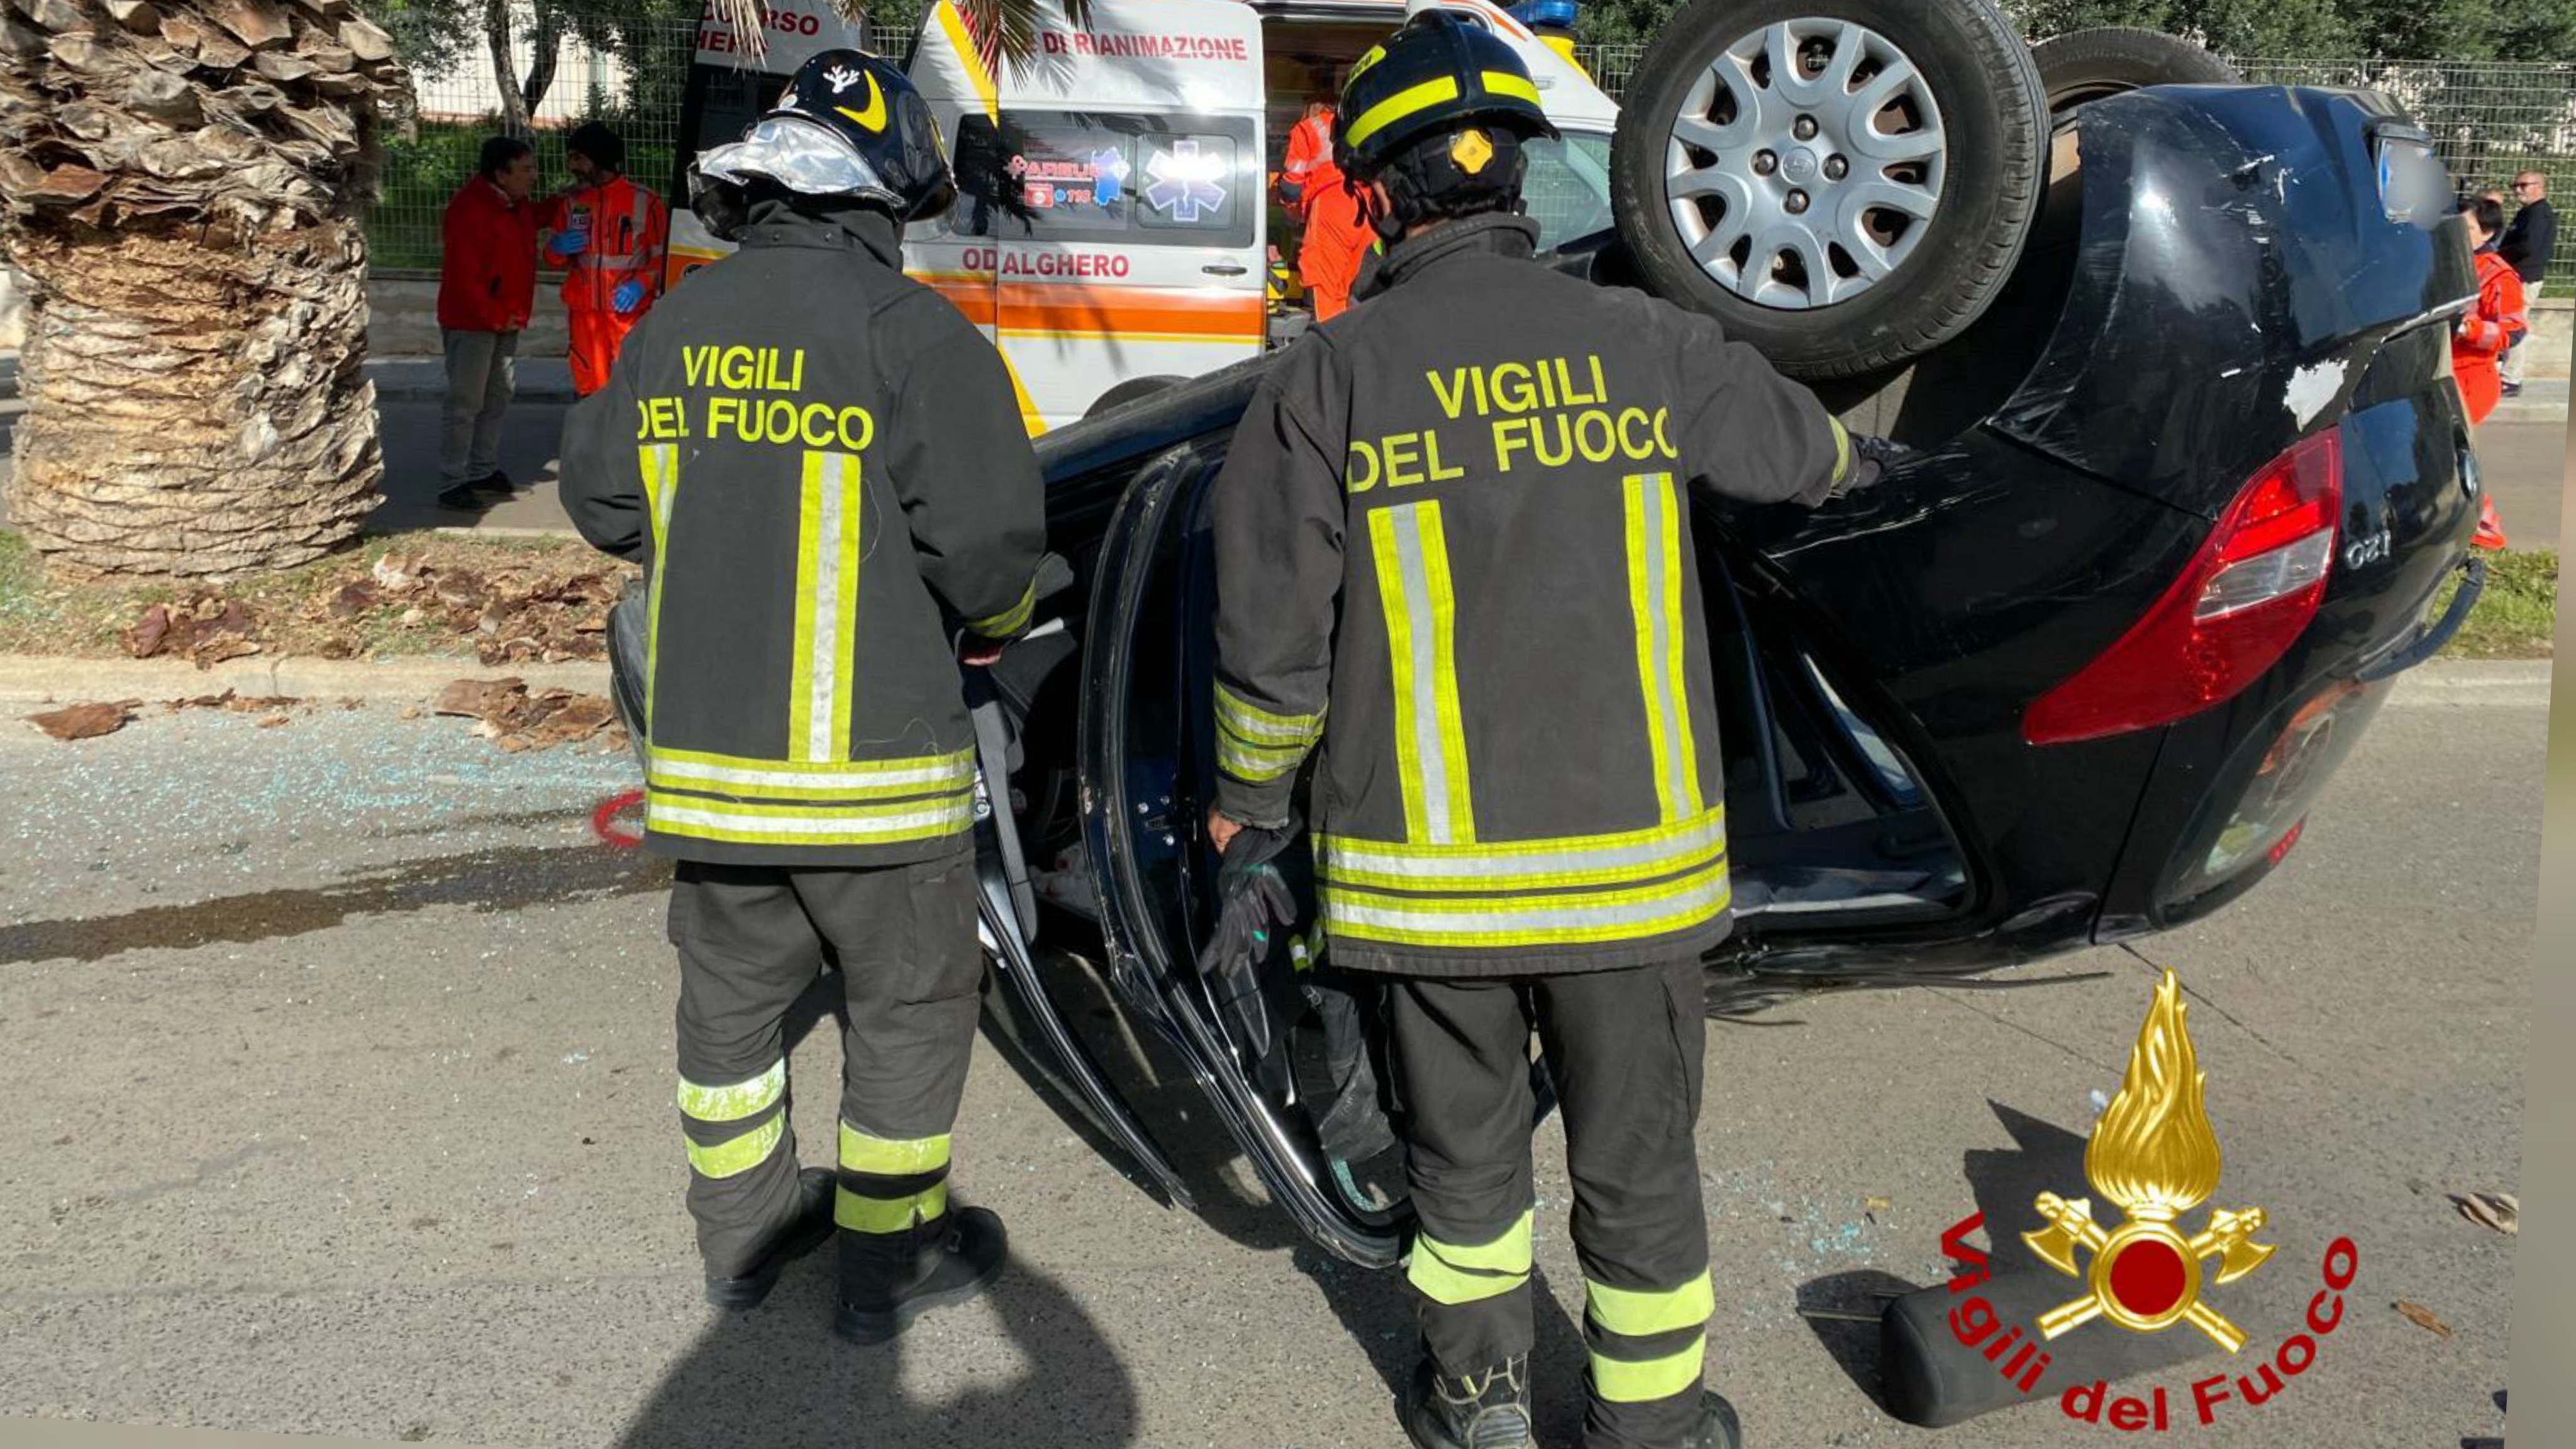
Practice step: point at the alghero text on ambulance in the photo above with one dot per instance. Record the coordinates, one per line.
(739, 414)
(1542, 413)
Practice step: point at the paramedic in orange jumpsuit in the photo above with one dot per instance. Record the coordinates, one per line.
(1332, 234)
(609, 236)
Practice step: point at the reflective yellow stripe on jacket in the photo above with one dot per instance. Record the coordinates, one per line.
(1443, 886)
(708, 796)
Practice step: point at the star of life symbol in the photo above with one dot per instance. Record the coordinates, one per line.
(1182, 182)
(841, 78)
(2155, 1155)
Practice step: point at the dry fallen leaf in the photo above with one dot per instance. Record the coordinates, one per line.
(273, 721)
(144, 639)
(2501, 1211)
(2422, 1317)
(353, 600)
(85, 721)
(1875, 1204)
(411, 711)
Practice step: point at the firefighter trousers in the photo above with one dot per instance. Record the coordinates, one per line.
(751, 939)
(1623, 1049)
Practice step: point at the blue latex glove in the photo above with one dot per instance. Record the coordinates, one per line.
(568, 244)
(628, 297)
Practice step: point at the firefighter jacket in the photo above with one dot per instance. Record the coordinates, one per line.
(487, 260)
(1454, 545)
(821, 468)
(2497, 321)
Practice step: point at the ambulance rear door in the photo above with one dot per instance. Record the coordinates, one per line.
(729, 86)
(1110, 221)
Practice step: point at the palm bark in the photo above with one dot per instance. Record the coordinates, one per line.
(184, 184)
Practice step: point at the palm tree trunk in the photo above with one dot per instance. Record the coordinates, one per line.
(186, 187)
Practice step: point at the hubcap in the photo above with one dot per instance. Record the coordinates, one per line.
(1856, 132)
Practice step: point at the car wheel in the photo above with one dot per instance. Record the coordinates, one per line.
(1127, 392)
(1844, 183)
(2086, 65)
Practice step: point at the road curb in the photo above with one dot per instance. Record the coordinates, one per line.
(26, 679)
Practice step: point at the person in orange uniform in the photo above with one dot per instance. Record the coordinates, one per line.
(609, 236)
(2495, 322)
(1332, 233)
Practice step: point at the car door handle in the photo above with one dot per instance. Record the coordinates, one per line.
(1223, 269)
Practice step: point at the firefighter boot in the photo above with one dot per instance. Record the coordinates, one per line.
(889, 1279)
(1481, 1411)
(803, 1234)
(1717, 1428)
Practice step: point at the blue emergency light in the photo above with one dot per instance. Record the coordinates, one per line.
(1544, 14)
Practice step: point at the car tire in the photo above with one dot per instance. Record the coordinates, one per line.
(1940, 259)
(1125, 393)
(2086, 65)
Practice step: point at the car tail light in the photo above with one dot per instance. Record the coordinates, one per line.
(2245, 597)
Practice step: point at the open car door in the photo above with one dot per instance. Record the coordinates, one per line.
(1288, 1054)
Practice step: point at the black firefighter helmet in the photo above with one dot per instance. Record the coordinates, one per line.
(1439, 111)
(850, 125)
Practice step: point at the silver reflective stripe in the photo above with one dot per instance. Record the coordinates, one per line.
(1655, 501)
(824, 599)
(1527, 920)
(1638, 856)
(1422, 671)
(943, 774)
(933, 816)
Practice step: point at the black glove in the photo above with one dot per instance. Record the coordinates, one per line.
(1252, 897)
(1253, 902)
(1871, 458)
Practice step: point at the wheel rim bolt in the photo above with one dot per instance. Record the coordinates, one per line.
(1797, 203)
(1764, 163)
(1836, 168)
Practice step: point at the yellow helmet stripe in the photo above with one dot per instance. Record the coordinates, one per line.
(1400, 105)
(1504, 83)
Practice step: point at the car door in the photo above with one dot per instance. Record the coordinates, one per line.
(1146, 761)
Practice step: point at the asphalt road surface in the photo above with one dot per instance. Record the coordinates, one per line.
(339, 1085)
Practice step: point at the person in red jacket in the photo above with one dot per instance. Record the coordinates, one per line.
(609, 234)
(1332, 234)
(487, 285)
(2494, 323)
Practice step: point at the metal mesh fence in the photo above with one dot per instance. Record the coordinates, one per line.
(2490, 121)
(633, 81)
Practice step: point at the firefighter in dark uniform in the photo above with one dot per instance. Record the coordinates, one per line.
(820, 465)
(1454, 548)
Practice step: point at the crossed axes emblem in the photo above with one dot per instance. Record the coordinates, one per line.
(2228, 1238)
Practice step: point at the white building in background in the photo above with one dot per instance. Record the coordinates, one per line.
(468, 90)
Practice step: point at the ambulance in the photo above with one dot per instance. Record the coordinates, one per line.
(1114, 228)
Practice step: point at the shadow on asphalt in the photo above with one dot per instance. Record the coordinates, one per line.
(777, 1377)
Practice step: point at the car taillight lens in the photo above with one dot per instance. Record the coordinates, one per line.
(2245, 597)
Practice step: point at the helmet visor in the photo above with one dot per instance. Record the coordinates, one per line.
(797, 154)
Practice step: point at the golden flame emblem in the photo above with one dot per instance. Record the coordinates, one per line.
(2155, 1156)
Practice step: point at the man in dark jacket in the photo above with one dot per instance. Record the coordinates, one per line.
(2527, 246)
(820, 466)
(1454, 547)
(487, 284)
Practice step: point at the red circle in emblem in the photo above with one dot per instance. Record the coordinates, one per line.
(2148, 1277)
